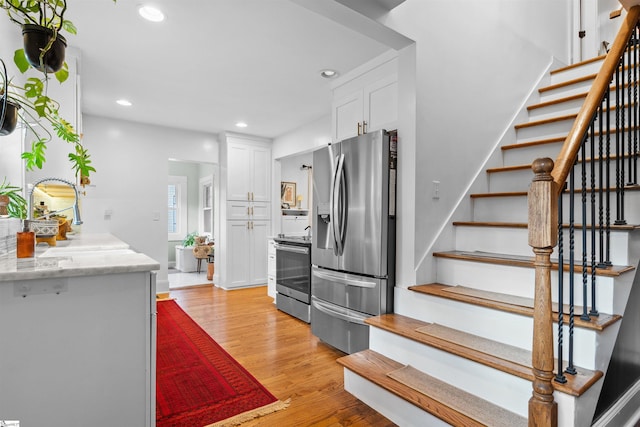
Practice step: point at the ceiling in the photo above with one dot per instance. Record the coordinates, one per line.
(212, 63)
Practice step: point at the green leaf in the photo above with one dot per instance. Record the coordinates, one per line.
(33, 88)
(65, 130)
(63, 73)
(81, 161)
(35, 157)
(69, 27)
(20, 59)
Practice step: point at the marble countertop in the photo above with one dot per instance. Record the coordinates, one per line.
(80, 255)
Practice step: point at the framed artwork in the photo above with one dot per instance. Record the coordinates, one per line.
(288, 192)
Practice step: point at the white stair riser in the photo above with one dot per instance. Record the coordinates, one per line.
(398, 410)
(514, 209)
(611, 294)
(576, 72)
(526, 155)
(515, 241)
(519, 179)
(504, 327)
(546, 130)
(497, 387)
(569, 106)
(562, 91)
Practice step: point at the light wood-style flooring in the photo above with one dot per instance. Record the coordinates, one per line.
(280, 351)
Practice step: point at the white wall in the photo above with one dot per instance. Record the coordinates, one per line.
(303, 139)
(131, 181)
(476, 61)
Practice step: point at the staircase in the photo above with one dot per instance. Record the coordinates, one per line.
(459, 351)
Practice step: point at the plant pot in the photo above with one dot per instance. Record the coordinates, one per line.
(10, 121)
(36, 38)
(4, 202)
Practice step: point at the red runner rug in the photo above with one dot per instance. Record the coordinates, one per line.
(197, 382)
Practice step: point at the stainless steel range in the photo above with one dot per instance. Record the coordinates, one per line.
(293, 276)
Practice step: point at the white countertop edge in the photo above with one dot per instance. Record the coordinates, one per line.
(87, 255)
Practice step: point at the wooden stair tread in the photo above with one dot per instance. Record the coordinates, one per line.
(506, 358)
(553, 140)
(544, 141)
(567, 83)
(512, 168)
(557, 101)
(526, 261)
(578, 64)
(625, 227)
(524, 193)
(541, 122)
(509, 303)
(444, 401)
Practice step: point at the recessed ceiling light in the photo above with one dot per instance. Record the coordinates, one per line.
(151, 13)
(124, 102)
(241, 125)
(328, 74)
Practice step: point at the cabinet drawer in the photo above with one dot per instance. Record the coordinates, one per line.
(247, 210)
(238, 210)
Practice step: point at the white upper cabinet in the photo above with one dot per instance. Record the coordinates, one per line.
(249, 172)
(366, 100)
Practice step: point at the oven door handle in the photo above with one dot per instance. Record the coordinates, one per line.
(289, 248)
(342, 314)
(344, 279)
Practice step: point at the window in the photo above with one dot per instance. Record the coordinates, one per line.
(177, 207)
(206, 206)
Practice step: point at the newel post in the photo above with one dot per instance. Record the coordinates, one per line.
(543, 236)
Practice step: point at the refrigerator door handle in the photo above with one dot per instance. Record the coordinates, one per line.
(344, 279)
(339, 207)
(342, 314)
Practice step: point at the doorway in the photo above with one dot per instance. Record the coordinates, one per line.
(192, 210)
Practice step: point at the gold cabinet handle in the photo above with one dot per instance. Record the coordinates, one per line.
(248, 195)
(251, 210)
(364, 127)
(248, 211)
(359, 128)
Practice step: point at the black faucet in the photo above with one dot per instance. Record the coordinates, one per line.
(308, 227)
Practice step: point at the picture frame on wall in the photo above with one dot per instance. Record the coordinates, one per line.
(288, 193)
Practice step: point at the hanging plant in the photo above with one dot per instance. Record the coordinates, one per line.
(44, 46)
(36, 106)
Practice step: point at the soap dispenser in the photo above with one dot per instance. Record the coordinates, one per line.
(25, 241)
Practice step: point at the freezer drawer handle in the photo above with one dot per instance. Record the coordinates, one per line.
(289, 248)
(333, 313)
(344, 279)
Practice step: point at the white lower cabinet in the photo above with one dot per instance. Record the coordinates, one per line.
(247, 253)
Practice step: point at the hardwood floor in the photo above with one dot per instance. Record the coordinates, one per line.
(280, 351)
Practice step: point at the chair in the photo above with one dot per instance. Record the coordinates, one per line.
(201, 250)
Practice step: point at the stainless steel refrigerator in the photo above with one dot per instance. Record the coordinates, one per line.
(353, 251)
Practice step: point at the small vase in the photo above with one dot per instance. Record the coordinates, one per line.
(25, 244)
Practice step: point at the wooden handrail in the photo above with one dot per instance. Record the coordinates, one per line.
(567, 156)
(545, 189)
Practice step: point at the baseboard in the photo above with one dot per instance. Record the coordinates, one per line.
(162, 296)
(624, 412)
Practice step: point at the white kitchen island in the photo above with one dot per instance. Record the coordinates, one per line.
(77, 335)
